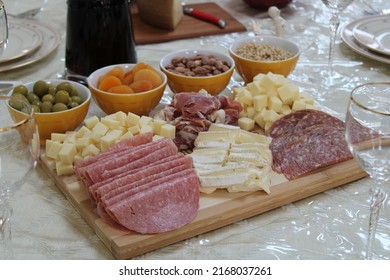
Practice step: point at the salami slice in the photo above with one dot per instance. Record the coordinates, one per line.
(305, 141)
(162, 208)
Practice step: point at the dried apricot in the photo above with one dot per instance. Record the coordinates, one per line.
(121, 89)
(109, 82)
(148, 75)
(141, 86)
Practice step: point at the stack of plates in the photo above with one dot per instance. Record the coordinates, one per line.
(29, 41)
(369, 36)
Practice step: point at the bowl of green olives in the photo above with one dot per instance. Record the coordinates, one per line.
(59, 105)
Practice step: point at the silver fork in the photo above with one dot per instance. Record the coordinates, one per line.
(27, 14)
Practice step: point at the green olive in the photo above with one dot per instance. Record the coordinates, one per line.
(61, 96)
(72, 104)
(46, 107)
(20, 89)
(77, 99)
(16, 104)
(37, 103)
(40, 88)
(32, 97)
(67, 87)
(19, 96)
(52, 90)
(36, 108)
(59, 107)
(48, 97)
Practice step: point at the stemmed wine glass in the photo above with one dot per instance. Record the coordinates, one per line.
(19, 149)
(335, 7)
(3, 27)
(368, 136)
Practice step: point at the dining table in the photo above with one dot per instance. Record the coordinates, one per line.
(330, 225)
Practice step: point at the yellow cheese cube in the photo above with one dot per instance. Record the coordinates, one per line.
(60, 137)
(251, 112)
(285, 110)
(271, 116)
(64, 169)
(106, 141)
(259, 77)
(119, 116)
(132, 119)
(134, 129)
(255, 88)
(82, 142)
(245, 97)
(67, 153)
(127, 134)
(157, 123)
(146, 128)
(237, 90)
(91, 122)
(267, 126)
(275, 104)
(260, 102)
(71, 137)
(259, 119)
(100, 129)
(298, 105)
(90, 150)
(246, 123)
(53, 148)
(82, 131)
(110, 123)
(288, 93)
(144, 120)
(168, 131)
(278, 79)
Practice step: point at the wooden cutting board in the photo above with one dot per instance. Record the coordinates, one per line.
(216, 210)
(189, 27)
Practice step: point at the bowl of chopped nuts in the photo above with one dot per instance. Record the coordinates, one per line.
(263, 54)
(191, 70)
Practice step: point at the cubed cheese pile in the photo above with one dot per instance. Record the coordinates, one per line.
(228, 157)
(267, 98)
(97, 135)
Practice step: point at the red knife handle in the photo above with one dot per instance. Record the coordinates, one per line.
(205, 16)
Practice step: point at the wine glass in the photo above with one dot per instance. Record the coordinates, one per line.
(3, 27)
(368, 136)
(19, 149)
(335, 7)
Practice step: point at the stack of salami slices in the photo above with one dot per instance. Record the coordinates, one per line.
(143, 185)
(306, 140)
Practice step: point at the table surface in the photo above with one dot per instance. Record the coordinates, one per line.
(330, 225)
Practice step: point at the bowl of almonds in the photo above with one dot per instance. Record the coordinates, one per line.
(192, 70)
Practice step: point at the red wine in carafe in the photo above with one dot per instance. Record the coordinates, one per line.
(99, 33)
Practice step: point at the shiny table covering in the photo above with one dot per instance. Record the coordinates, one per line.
(330, 225)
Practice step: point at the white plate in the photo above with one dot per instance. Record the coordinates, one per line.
(51, 40)
(374, 33)
(23, 40)
(349, 39)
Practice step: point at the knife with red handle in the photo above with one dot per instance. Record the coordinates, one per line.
(204, 16)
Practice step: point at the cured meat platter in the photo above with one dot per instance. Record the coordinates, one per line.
(216, 210)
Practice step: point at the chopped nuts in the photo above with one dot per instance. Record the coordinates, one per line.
(198, 66)
(262, 52)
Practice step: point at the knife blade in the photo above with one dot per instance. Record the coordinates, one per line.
(204, 16)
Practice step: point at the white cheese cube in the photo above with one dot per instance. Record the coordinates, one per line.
(71, 137)
(259, 119)
(64, 169)
(157, 123)
(260, 102)
(237, 90)
(67, 153)
(278, 79)
(91, 122)
(53, 148)
(167, 130)
(82, 142)
(245, 97)
(146, 128)
(127, 134)
(132, 119)
(246, 123)
(267, 126)
(275, 104)
(60, 137)
(259, 77)
(120, 116)
(285, 110)
(90, 150)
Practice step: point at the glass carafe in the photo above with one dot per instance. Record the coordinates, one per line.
(98, 33)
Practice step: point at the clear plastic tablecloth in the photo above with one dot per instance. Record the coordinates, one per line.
(330, 225)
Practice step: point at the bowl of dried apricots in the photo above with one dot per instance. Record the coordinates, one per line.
(136, 88)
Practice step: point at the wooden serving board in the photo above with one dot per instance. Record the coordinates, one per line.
(189, 27)
(216, 210)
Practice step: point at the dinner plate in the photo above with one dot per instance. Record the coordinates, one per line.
(374, 34)
(23, 40)
(51, 38)
(349, 39)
